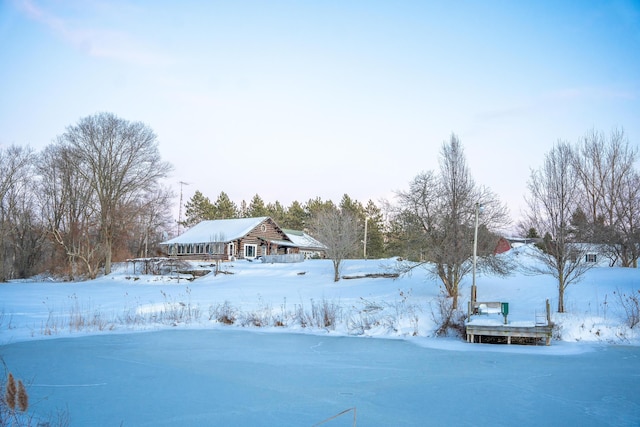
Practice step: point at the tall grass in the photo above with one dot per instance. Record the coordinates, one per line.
(399, 316)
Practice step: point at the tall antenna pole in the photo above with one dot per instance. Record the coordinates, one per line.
(182, 183)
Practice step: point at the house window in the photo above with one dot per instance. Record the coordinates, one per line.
(250, 251)
(590, 258)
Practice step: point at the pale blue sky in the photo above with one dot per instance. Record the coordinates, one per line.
(301, 99)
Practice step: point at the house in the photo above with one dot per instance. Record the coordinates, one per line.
(244, 238)
(502, 246)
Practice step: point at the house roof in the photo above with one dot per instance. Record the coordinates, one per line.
(303, 240)
(227, 230)
(217, 230)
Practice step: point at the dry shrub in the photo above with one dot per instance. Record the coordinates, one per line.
(446, 318)
(631, 306)
(223, 313)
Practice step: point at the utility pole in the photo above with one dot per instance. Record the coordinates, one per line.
(474, 290)
(366, 220)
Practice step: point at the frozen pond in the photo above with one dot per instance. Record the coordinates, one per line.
(245, 378)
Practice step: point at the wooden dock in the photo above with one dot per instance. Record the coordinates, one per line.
(479, 323)
(475, 332)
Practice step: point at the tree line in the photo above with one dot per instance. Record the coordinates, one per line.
(584, 199)
(92, 196)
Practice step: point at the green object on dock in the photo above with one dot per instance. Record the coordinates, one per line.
(504, 308)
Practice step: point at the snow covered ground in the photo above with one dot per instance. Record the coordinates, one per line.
(131, 349)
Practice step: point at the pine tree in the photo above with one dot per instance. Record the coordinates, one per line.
(225, 208)
(277, 212)
(256, 208)
(198, 208)
(296, 217)
(375, 226)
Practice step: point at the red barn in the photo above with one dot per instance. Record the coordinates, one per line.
(502, 246)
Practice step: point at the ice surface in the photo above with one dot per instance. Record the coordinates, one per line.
(246, 378)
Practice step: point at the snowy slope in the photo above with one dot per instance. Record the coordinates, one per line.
(282, 295)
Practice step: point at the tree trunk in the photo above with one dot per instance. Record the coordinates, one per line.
(447, 277)
(107, 221)
(107, 259)
(336, 270)
(561, 298)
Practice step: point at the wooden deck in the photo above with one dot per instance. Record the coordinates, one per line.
(479, 323)
(535, 331)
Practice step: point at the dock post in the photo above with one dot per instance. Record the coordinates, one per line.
(548, 312)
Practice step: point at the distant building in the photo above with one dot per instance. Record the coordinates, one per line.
(503, 246)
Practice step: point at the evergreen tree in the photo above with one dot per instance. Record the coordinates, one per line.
(198, 208)
(347, 204)
(244, 209)
(225, 208)
(315, 206)
(375, 226)
(296, 217)
(277, 212)
(256, 208)
(354, 208)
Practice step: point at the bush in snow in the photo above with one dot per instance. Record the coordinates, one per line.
(223, 313)
(324, 314)
(370, 316)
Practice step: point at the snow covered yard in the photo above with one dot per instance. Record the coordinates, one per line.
(274, 344)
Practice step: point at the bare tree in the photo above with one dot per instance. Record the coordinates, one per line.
(444, 206)
(339, 232)
(69, 209)
(26, 233)
(626, 245)
(152, 219)
(604, 167)
(15, 175)
(120, 162)
(552, 200)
